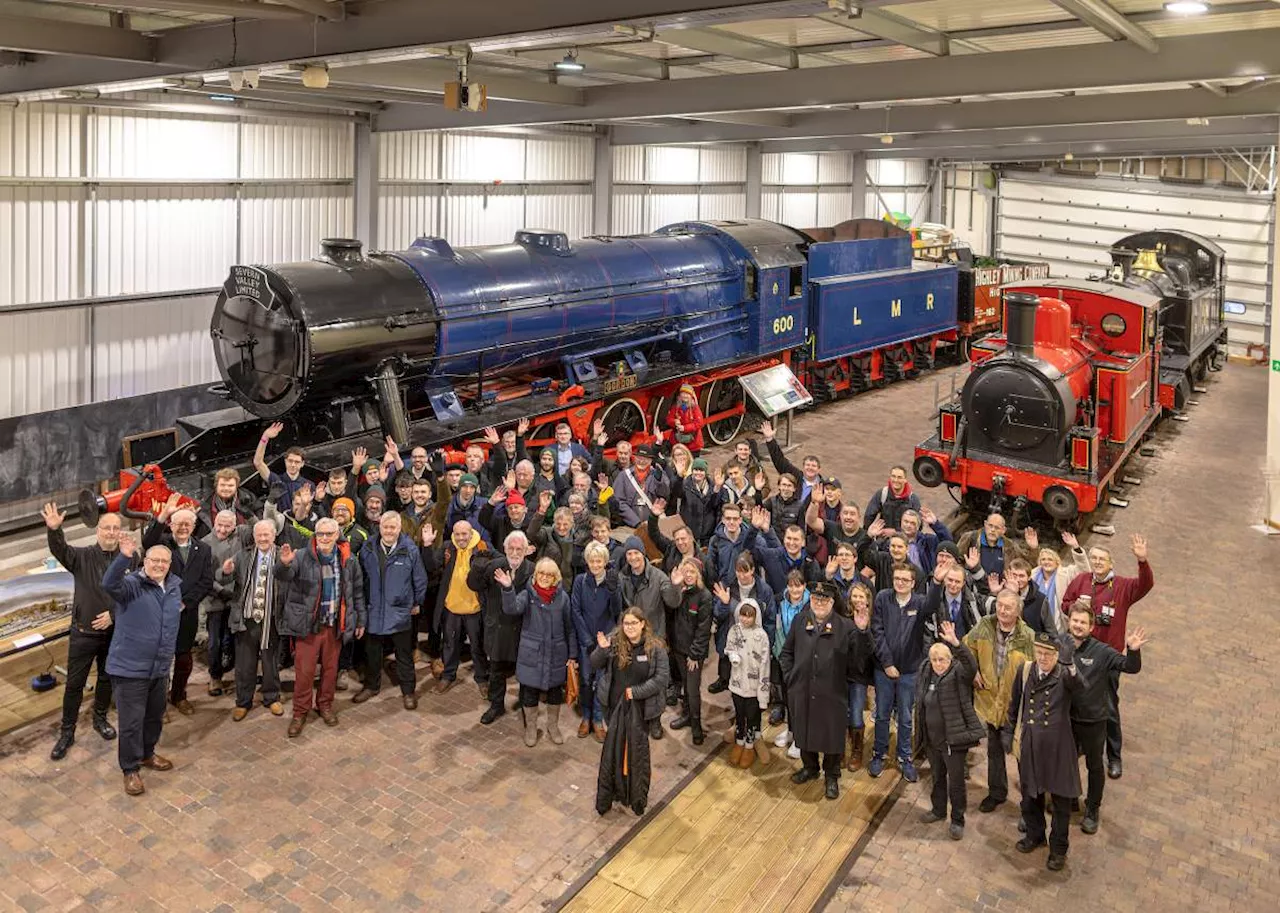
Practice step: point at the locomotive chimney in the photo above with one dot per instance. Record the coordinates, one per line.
(340, 250)
(1020, 323)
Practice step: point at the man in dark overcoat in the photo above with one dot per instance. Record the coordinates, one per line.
(1043, 741)
(501, 631)
(816, 665)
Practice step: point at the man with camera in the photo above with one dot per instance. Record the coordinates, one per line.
(1111, 597)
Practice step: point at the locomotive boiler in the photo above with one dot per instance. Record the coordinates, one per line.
(1053, 409)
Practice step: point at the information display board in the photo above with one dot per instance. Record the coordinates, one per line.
(776, 390)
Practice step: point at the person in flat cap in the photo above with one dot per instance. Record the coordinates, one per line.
(685, 419)
(817, 663)
(466, 504)
(638, 486)
(1040, 708)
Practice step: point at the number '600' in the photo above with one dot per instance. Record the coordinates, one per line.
(783, 324)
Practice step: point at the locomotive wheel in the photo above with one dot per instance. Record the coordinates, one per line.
(658, 411)
(1060, 503)
(545, 432)
(928, 471)
(623, 418)
(721, 396)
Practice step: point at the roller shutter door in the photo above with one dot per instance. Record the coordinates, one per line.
(1072, 222)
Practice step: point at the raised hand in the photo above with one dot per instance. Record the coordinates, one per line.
(491, 435)
(947, 631)
(522, 427)
(127, 545)
(679, 425)
(428, 535)
(1069, 539)
(321, 487)
(721, 591)
(717, 476)
(602, 481)
(602, 640)
(659, 506)
(939, 572)
(760, 482)
(359, 457)
(499, 495)
(760, 518)
(657, 435)
(52, 516)
(273, 430)
(503, 578)
(597, 432)
(286, 554)
(973, 558)
(993, 582)
(833, 565)
(818, 494)
(928, 517)
(766, 429)
(544, 501)
(1139, 547)
(1136, 638)
(1031, 537)
(510, 480)
(229, 566)
(393, 449)
(876, 528)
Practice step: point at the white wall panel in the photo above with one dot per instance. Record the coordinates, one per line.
(628, 164)
(629, 211)
(482, 215)
(411, 155)
(150, 146)
(40, 243)
(722, 164)
(835, 205)
(560, 158)
(561, 209)
(835, 167)
(1073, 223)
(161, 238)
(407, 212)
(478, 157)
(42, 360)
(146, 346)
(40, 141)
(671, 164)
(722, 203)
(281, 223)
(671, 204)
(968, 210)
(296, 149)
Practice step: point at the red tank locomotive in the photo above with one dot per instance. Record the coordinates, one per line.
(1052, 409)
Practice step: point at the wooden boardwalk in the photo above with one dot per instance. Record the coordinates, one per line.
(735, 840)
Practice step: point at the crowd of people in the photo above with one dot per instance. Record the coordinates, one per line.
(610, 581)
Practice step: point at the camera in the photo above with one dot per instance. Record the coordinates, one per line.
(1104, 616)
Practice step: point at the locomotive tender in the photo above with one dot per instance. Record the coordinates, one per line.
(1051, 411)
(433, 343)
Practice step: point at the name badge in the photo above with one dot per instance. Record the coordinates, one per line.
(642, 658)
(911, 613)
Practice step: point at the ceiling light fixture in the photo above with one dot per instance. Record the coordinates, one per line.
(570, 64)
(222, 98)
(887, 139)
(1187, 7)
(315, 76)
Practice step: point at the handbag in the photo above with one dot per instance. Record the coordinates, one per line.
(1017, 730)
(571, 685)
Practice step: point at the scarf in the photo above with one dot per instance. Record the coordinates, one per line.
(545, 593)
(328, 587)
(902, 495)
(1046, 583)
(459, 598)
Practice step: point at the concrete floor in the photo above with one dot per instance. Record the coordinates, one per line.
(401, 810)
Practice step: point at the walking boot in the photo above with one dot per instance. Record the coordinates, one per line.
(856, 748)
(495, 710)
(735, 756)
(66, 738)
(553, 724)
(530, 725)
(698, 735)
(103, 728)
(584, 728)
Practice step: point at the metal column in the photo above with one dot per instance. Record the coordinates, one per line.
(602, 184)
(755, 180)
(859, 186)
(1271, 474)
(365, 185)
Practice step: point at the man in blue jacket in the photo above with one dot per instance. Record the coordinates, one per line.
(149, 608)
(897, 630)
(395, 582)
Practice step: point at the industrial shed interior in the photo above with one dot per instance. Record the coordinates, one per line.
(147, 147)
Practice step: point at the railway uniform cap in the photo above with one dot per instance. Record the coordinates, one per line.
(823, 588)
(644, 450)
(469, 478)
(1045, 639)
(375, 491)
(516, 498)
(832, 482)
(700, 463)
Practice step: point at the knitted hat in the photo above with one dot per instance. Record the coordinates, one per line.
(347, 503)
(951, 549)
(516, 498)
(687, 388)
(375, 491)
(469, 478)
(700, 463)
(634, 543)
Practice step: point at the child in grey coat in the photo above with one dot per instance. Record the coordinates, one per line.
(747, 650)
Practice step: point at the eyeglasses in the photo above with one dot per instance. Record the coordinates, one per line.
(325, 534)
(544, 575)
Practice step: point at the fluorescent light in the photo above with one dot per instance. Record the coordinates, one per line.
(1187, 7)
(222, 98)
(570, 64)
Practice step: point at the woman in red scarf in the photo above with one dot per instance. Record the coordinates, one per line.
(547, 643)
(686, 420)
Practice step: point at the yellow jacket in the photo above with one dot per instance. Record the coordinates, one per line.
(992, 701)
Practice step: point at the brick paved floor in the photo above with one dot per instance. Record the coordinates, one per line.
(397, 810)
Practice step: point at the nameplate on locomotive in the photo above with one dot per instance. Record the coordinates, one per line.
(250, 282)
(618, 383)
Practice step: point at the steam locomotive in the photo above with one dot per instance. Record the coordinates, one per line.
(1053, 409)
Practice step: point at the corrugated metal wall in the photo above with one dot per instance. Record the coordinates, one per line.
(807, 189)
(657, 185)
(98, 203)
(968, 192)
(480, 188)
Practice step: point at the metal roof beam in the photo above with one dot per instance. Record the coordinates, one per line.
(431, 75)
(887, 26)
(1224, 56)
(244, 9)
(598, 61)
(1105, 18)
(53, 36)
(724, 44)
(322, 9)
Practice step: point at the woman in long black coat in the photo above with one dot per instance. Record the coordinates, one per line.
(631, 685)
(817, 662)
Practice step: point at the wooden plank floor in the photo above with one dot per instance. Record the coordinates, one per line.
(735, 840)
